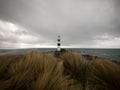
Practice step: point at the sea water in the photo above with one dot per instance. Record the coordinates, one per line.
(111, 54)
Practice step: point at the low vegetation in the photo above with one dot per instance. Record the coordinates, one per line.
(66, 70)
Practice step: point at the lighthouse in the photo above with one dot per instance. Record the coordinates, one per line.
(58, 43)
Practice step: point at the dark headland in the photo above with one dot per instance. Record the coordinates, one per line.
(63, 70)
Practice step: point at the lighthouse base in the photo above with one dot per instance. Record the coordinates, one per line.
(58, 49)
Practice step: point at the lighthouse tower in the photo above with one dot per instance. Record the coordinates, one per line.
(58, 43)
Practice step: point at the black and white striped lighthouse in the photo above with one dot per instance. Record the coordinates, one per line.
(58, 43)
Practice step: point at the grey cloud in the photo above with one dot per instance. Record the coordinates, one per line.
(77, 21)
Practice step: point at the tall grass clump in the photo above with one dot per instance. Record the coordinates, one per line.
(23, 73)
(52, 77)
(6, 61)
(105, 75)
(37, 72)
(76, 66)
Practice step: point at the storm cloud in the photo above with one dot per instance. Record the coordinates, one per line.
(81, 23)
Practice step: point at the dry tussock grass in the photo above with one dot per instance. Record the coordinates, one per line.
(76, 66)
(105, 74)
(71, 71)
(37, 72)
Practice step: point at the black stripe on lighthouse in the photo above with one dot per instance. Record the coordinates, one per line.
(58, 40)
(58, 44)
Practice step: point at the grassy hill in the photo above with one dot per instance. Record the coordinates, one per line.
(66, 70)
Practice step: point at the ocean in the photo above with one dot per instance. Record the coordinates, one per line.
(111, 54)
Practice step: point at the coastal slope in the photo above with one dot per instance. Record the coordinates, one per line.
(67, 70)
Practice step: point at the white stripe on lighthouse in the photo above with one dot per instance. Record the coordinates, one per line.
(58, 44)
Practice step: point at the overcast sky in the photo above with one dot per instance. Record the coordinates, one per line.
(81, 23)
